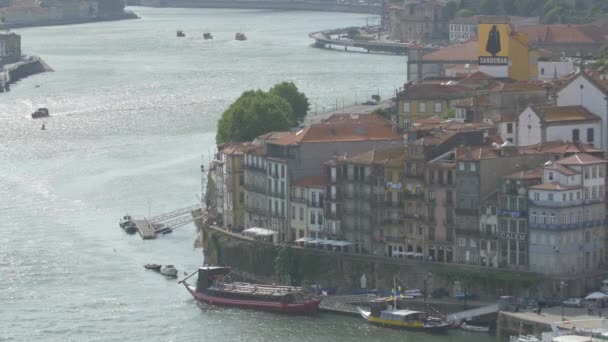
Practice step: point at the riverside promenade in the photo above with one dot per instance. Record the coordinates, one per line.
(313, 117)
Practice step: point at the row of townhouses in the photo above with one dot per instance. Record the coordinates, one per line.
(516, 186)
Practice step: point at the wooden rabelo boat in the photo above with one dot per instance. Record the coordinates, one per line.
(405, 319)
(211, 288)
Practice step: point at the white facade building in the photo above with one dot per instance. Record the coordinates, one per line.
(567, 216)
(567, 123)
(582, 90)
(548, 71)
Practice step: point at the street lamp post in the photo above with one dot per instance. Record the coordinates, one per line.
(561, 291)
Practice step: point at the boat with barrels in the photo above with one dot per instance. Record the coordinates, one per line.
(40, 113)
(212, 288)
(240, 36)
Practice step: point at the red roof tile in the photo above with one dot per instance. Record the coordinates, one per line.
(326, 132)
(563, 33)
(530, 174)
(390, 157)
(581, 159)
(567, 114)
(458, 52)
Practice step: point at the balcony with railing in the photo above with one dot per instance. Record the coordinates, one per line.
(389, 238)
(277, 194)
(556, 204)
(299, 199)
(256, 210)
(476, 233)
(568, 226)
(261, 189)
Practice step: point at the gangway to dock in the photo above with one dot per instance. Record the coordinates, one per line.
(463, 315)
(149, 228)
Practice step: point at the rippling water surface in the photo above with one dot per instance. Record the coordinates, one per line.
(133, 109)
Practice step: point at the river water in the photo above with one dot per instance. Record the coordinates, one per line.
(133, 112)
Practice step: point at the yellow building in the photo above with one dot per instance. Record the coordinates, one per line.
(427, 99)
(502, 51)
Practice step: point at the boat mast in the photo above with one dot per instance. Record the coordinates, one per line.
(395, 292)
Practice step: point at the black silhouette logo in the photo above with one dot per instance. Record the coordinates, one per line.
(493, 44)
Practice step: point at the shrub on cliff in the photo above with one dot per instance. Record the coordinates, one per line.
(254, 113)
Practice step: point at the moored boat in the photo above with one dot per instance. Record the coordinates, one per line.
(240, 36)
(474, 328)
(207, 35)
(405, 319)
(168, 270)
(180, 33)
(153, 267)
(212, 289)
(40, 113)
(124, 221)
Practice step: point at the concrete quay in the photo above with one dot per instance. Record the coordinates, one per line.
(528, 322)
(27, 66)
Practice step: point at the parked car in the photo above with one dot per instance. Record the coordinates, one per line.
(549, 302)
(370, 102)
(468, 296)
(573, 302)
(440, 293)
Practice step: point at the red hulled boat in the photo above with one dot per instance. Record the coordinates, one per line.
(212, 289)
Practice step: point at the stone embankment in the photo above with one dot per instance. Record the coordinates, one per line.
(261, 4)
(70, 21)
(27, 66)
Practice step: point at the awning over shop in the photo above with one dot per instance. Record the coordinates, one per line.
(259, 232)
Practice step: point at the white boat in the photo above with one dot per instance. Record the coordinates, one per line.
(474, 328)
(168, 270)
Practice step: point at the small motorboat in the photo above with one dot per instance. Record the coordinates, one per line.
(40, 113)
(474, 328)
(207, 35)
(131, 228)
(240, 36)
(153, 267)
(180, 34)
(169, 271)
(124, 221)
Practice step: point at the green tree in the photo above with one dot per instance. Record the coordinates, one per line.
(385, 113)
(465, 13)
(298, 101)
(449, 10)
(488, 7)
(254, 113)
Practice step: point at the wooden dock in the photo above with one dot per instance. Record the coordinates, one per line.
(145, 229)
(345, 305)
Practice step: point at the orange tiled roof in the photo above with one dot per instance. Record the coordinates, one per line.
(563, 33)
(312, 181)
(477, 152)
(529, 174)
(233, 148)
(459, 52)
(326, 132)
(559, 147)
(554, 186)
(390, 157)
(560, 168)
(519, 86)
(567, 114)
(504, 118)
(580, 159)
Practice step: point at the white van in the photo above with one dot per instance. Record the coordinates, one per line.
(604, 286)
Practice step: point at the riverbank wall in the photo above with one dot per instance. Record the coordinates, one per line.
(69, 21)
(27, 66)
(269, 5)
(346, 272)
